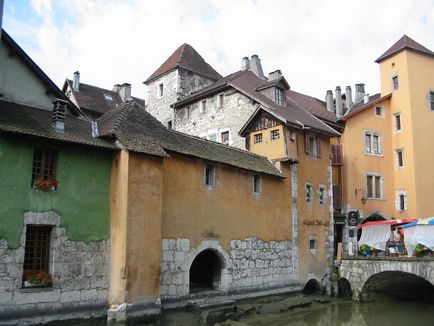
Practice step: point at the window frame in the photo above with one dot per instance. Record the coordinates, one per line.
(47, 165)
(374, 186)
(322, 194)
(431, 100)
(400, 157)
(373, 143)
(202, 106)
(278, 96)
(381, 109)
(209, 175)
(220, 100)
(312, 137)
(257, 183)
(274, 134)
(225, 132)
(160, 90)
(395, 82)
(308, 187)
(256, 136)
(397, 122)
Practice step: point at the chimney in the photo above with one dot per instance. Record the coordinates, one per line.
(116, 88)
(329, 101)
(76, 81)
(125, 91)
(366, 98)
(255, 66)
(360, 93)
(338, 100)
(274, 75)
(245, 64)
(59, 114)
(349, 97)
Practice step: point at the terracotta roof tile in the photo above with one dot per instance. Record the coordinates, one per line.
(188, 58)
(405, 42)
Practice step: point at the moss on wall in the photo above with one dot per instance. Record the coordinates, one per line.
(82, 198)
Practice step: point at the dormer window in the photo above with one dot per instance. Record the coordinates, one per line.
(108, 97)
(278, 96)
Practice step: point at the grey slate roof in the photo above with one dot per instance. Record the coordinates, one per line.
(91, 98)
(139, 131)
(30, 121)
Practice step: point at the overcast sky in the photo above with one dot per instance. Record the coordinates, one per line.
(318, 44)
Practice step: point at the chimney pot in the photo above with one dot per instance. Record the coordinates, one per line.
(255, 66)
(360, 93)
(349, 97)
(329, 101)
(275, 75)
(59, 114)
(125, 91)
(76, 81)
(245, 64)
(338, 100)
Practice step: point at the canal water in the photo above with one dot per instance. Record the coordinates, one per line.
(295, 310)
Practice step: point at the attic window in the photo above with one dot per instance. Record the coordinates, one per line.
(108, 97)
(278, 96)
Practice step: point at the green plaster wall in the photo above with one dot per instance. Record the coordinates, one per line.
(82, 198)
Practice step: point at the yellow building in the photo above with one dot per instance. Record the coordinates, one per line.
(388, 140)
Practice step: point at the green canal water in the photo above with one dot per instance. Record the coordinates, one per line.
(295, 310)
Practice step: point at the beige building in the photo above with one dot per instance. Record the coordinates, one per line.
(388, 140)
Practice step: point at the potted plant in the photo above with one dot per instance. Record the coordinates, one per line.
(365, 250)
(419, 250)
(46, 184)
(38, 279)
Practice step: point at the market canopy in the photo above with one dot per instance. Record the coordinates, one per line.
(375, 235)
(421, 232)
(390, 222)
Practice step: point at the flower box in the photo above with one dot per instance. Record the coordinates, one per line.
(46, 184)
(38, 279)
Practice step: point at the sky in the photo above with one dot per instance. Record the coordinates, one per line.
(317, 44)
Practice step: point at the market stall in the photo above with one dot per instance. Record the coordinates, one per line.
(420, 232)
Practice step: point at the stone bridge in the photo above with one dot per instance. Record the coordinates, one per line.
(386, 274)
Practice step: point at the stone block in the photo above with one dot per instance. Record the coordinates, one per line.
(167, 255)
(40, 296)
(172, 290)
(70, 296)
(166, 278)
(89, 295)
(179, 256)
(177, 279)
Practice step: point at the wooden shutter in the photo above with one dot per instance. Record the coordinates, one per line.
(318, 146)
(337, 154)
(306, 143)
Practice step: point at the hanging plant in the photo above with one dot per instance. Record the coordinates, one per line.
(46, 184)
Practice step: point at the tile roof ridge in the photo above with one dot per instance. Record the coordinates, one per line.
(181, 53)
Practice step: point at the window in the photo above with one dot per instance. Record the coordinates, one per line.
(169, 124)
(400, 158)
(312, 244)
(202, 106)
(108, 97)
(395, 82)
(37, 249)
(225, 137)
(379, 111)
(257, 138)
(209, 175)
(160, 90)
(275, 134)
(312, 145)
(220, 101)
(397, 122)
(309, 193)
(322, 194)
(278, 96)
(431, 100)
(374, 185)
(257, 183)
(43, 170)
(401, 200)
(372, 143)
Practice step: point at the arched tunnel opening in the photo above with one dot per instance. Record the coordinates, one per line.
(396, 285)
(205, 272)
(312, 287)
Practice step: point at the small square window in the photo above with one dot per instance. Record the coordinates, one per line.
(322, 195)
(160, 90)
(312, 244)
(395, 82)
(225, 137)
(309, 193)
(257, 183)
(258, 138)
(209, 175)
(275, 134)
(43, 169)
(379, 111)
(108, 97)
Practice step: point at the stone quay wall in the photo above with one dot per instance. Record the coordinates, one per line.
(251, 264)
(80, 278)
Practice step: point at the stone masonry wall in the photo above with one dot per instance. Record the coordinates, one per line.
(231, 117)
(252, 264)
(80, 278)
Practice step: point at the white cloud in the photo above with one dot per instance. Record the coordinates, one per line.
(317, 44)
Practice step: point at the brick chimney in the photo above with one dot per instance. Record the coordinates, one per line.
(256, 67)
(274, 75)
(338, 101)
(59, 114)
(329, 101)
(76, 81)
(125, 91)
(349, 97)
(360, 93)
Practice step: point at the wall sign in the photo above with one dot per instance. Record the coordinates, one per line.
(353, 218)
(316, 222)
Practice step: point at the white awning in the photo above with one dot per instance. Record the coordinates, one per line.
(375, 236)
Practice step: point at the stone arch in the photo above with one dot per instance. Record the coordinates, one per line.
(223, 257)
(398, 284)
(312, 286)
(344, 288)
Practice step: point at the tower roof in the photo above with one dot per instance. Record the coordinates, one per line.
(188, 58)
(403, 43)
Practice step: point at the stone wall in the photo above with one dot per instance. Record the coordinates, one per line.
(80, 278)
(190, 83)
(232, 116)
(252, 264)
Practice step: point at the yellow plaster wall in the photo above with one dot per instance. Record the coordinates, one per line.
(313, 217)
(272, 149)
(145, 180)
(118, 208)
(229, 210)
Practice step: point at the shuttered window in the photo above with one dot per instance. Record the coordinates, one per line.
(337, 154)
